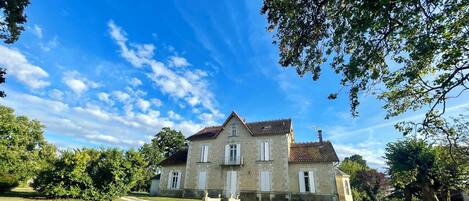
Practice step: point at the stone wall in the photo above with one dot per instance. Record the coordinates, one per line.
(248, 173)
(324, 177)
(165, 175)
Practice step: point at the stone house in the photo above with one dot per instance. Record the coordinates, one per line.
(254, 160)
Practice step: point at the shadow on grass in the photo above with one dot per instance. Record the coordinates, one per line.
(23, 194)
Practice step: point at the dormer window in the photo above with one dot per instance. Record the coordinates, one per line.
(234, 129)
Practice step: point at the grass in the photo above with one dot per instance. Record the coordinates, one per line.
(28, 194)
(146, 196)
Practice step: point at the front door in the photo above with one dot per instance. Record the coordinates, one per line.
(231, 184)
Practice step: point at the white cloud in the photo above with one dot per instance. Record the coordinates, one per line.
(135, 82)
(105, 98)
(173, 115)
(56, 94)
(178, 61)
(37, 30)
(156, 102)
(187, 86)
(18, 66)
(143, 104)
(91, 123)
(77, 83)
(121, 96)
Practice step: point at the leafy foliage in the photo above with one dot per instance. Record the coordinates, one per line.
(7, 182)
(410, 53)
(12, 19)
(163, 144)
(91, 174)
(23, 149)
(426, 172)
(367, 183)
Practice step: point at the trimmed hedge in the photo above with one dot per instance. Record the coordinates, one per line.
(7, 182)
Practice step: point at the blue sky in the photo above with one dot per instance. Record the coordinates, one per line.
(112, 73)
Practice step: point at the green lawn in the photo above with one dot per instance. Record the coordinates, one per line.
(145, 196)
(28, 194)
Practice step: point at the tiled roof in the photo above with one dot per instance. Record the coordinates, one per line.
(312, 152)
(281, 126)
(177, 158)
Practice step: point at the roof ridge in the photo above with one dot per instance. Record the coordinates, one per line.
(271, 120)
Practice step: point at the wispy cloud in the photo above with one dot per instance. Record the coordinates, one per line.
(18, 66)
(180, 86)
(37, 30)
(178, 61)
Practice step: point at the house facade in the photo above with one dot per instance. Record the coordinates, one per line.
(255, 161)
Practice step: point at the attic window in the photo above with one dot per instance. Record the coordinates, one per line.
(234, 130)
(268, 127)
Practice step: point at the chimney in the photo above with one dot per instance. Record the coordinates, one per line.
(320, 135)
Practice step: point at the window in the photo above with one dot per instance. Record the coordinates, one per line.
(202, 180)
(265, 181)
(232, 154)
(233, 150)
(306, 181)
(306, 178)
(234, 128)
(347, 187)
(174, 180)
(264, 151)
(204, 153)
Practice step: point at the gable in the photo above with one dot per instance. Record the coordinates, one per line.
(260, 128)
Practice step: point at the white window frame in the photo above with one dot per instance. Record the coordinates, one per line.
(204, 153)
(233, 154)
(264, 151)
(202, 183)
(265, 181)
(234, 130)
(174, 180)
(307, 179)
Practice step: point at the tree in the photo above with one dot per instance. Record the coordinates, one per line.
(12, 19)
(91, 174)
(371, 181)
(366, 183)
(11, 26)
(424, 171)
(410, 54)
(163, 144)
(23, 149)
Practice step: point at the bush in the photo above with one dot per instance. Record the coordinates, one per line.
(91, 174)
(7, 182)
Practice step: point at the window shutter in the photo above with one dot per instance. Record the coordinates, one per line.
(262, 151)
(178, 185)
(202, 180)
(265, 181)
(259, 150)
(267, 151)
(312, 186)
(205, 153)
(227, 153)
(228, 178)
(170, 179)
(233, 181)
(202, 149)
(301, 179)
(238, 153)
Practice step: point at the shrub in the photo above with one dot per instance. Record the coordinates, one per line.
(7, 182)
(91, 174)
